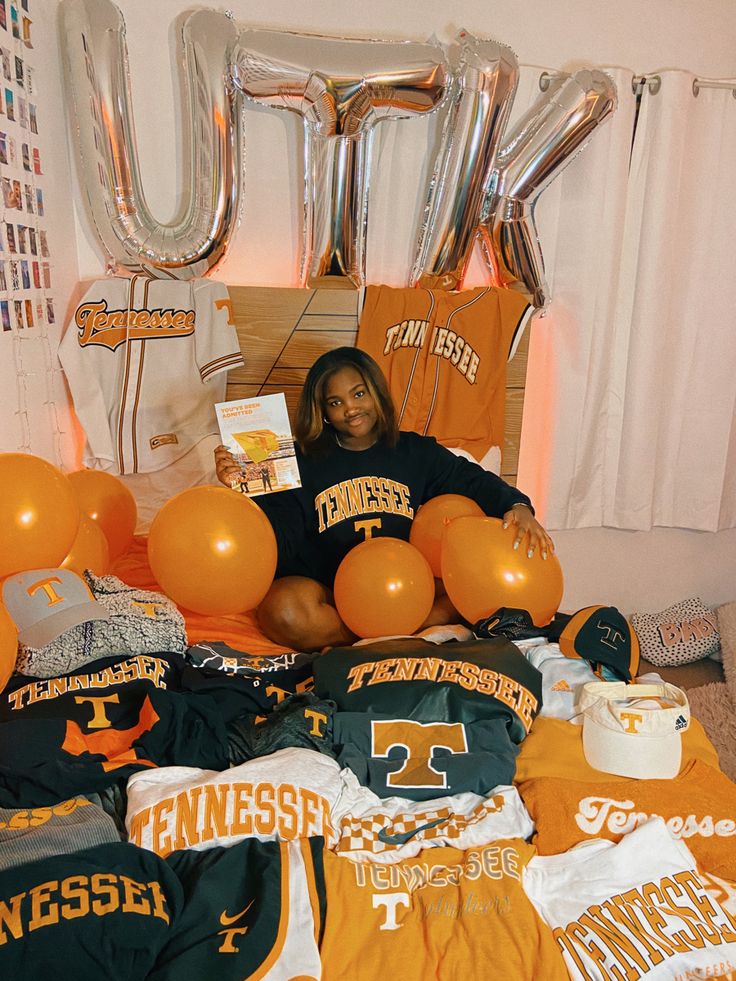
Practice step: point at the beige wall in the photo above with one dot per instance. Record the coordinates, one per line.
(556, 34)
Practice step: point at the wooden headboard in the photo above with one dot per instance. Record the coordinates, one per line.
(282, 331)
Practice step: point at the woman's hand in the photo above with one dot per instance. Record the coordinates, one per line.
(528, 527)
(228, 471)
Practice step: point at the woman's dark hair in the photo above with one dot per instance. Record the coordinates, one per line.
(313, 433)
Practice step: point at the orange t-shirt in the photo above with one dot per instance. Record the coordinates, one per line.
(554, 748)
(698, 806)
(445, 914)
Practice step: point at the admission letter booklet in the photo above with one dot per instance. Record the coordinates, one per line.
(258, 434)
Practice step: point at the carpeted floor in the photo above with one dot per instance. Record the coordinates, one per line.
(711, 705)
(714, 705)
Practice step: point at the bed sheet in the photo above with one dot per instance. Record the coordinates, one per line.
(239, 630)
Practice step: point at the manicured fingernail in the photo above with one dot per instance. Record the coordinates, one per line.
(530, 553)
(544, 555)
(516, 544)
(504, 525)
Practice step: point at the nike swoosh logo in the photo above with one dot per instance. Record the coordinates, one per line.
(228, 920)
(386, 838)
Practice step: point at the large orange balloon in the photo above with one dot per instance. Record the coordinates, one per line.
(430, 522)
(39, 514)
(482, 572)
(212, 551)
(8, 647)
(384, 586)
(108, 502)
(90, 549)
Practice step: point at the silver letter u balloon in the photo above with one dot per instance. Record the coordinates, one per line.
(97, 66)
(342, 88)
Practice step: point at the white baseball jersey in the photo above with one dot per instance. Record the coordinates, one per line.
(638, 909)
(146, 360)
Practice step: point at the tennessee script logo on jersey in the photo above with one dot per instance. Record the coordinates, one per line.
(111, 328)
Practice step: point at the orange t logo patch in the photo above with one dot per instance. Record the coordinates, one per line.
(116, 745)
(419, 739)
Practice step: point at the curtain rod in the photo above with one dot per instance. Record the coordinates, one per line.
(653, 83)
(703, 83)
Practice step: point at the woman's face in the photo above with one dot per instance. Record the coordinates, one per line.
(350, 408)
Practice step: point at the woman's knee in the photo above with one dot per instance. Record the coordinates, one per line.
(287, 603)
(299, 612)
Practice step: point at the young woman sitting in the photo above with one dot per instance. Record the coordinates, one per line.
(349, 449)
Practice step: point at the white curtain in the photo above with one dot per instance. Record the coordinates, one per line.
(629, 411)
(580, 219)
(671, 453)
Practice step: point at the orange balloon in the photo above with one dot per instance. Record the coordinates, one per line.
(430, 521)
(108, 502)
(212, 551)
(90, 549)
(8, 646)
(39, 514)
(384, 586)
(482, 572)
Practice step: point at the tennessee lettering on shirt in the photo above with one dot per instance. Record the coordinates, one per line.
(362, 495)
(469, 676)
(596, 814)
(138, 668)
(78, 896)
(223, 810)
(455, 349)
(22, 820)
(98, 325)
(408, 333)
(444, 343)
(492, 862)
(631, 933)
(719, 971)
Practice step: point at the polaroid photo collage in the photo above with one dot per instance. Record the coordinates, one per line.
(24, 257)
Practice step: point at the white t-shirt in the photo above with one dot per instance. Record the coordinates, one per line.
(633, 909)
(299, 793)
(562, 677)
(281, 797)
(387, 830)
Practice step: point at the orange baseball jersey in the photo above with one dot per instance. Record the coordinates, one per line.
(146, 360)
(444, 355)
(698, 806)
(445, 914)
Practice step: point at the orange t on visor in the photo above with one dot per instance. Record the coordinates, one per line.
(634, 730)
